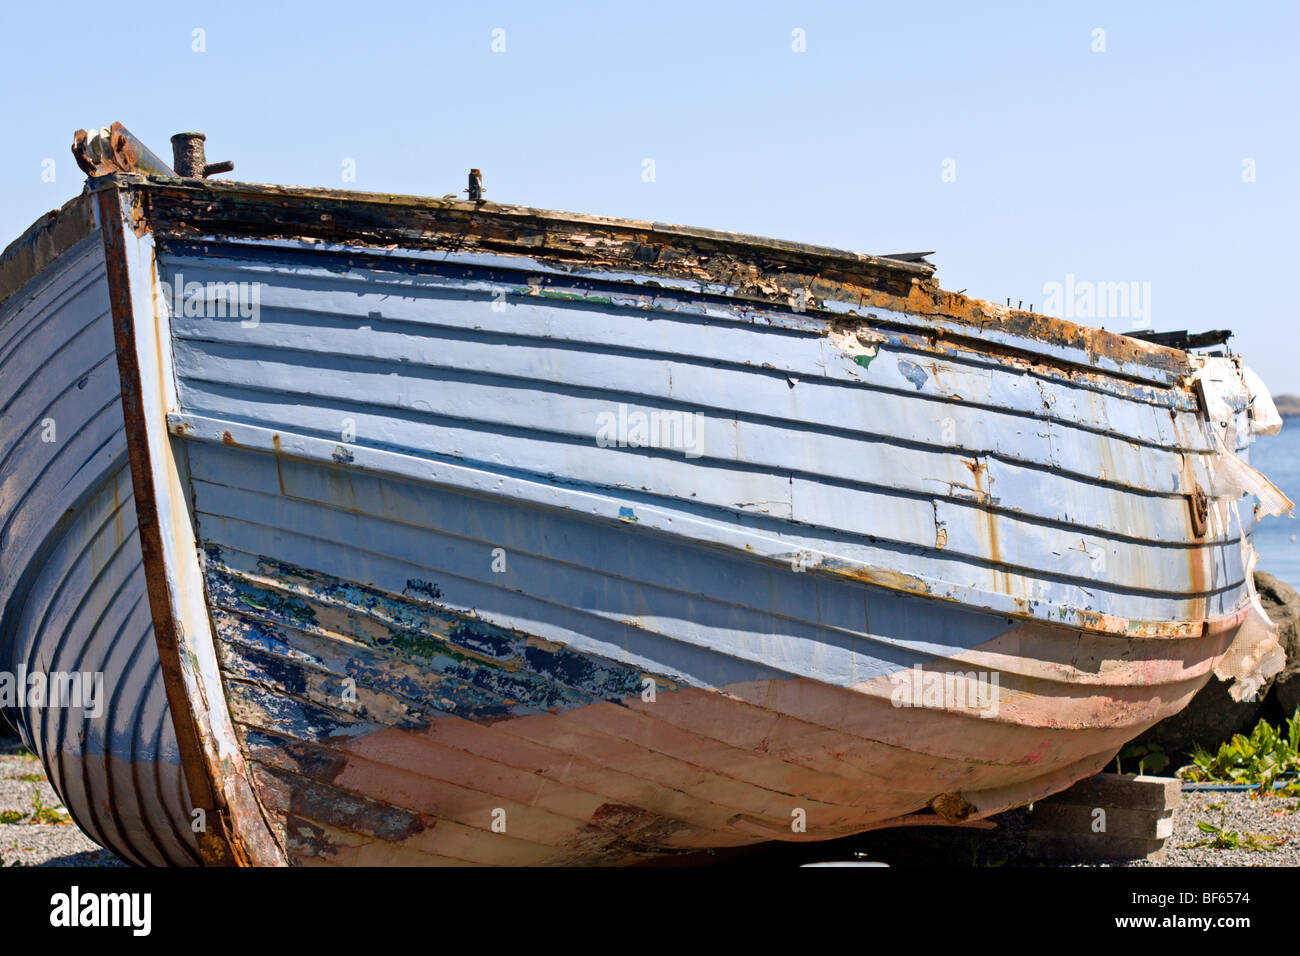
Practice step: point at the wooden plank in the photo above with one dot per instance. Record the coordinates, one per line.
(1063, 846)
(1049, 817)
(1120, 790)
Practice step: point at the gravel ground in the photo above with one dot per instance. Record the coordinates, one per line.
(1005, 844)
(1244, 813)
(34, 839)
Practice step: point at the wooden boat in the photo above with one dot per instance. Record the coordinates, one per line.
(444, 531)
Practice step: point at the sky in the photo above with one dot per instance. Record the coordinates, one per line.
(1128, 165)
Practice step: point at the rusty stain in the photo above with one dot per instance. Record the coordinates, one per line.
(115, 150)
(1199, 506)
(953, 807)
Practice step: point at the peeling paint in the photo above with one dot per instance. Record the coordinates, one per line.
(913, 372)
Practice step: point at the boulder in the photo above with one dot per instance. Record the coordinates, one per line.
(1282, 604)
(1213, 716)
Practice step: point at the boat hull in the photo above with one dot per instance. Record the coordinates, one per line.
(72, 582)
(517, 538)
(383, 728)
(456, 623)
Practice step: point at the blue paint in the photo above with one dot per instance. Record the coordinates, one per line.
(72, 587)
(426, 589)
(913, 373)
(436, 659)
(847, 465)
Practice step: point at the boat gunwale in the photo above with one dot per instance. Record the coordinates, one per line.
(189, 209)
(25, 264)
(913, 336)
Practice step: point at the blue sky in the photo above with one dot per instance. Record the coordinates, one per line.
(1169, 160)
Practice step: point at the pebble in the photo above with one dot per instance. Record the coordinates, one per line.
(1005, 845)
(25, 842)
(1242, 812)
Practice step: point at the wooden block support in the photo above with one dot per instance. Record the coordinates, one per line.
(1042, 845)
(1118, 790)
(1117, 822)
(1106, 817)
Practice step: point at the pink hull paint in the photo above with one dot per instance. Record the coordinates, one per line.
(696, 769)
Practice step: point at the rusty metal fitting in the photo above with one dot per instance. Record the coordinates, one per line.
(189, 159)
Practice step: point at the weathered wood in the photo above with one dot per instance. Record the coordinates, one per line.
(1066, 846)
(1050, 816)
(1122, 791)
(43, 243)
(1108, 816)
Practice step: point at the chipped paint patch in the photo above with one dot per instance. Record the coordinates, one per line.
(940, 529)
(913, 373)
(860, 343)
(426, 589)
(293, 628)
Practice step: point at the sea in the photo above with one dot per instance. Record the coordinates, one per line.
(1277, 539)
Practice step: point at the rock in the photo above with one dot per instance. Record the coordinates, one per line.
(1286, 691)
(1282, 604)
(1213, 716)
